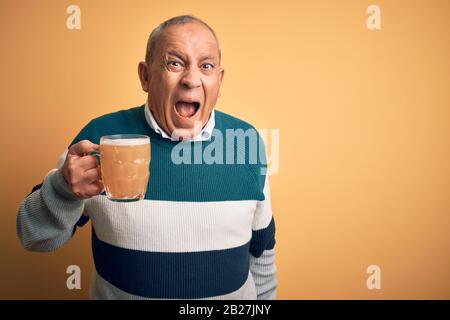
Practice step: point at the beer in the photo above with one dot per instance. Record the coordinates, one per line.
(125, 166)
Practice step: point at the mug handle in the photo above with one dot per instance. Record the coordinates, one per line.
(96, 154)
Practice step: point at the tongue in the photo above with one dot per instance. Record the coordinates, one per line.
(185, 109)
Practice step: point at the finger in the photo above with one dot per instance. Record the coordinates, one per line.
(91, 176)
(88, 190)
(87, 162)
(94, 189)
(83, 147)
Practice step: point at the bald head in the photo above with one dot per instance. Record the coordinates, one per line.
(156, 34)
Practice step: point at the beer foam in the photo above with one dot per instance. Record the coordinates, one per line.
(125, 142)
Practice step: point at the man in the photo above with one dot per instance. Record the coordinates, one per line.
(203, 231)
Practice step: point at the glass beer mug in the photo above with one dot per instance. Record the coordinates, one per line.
(125, 166)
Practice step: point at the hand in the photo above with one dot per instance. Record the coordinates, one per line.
(82, 171)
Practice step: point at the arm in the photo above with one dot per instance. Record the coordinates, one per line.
(262, 248)
(47, 217)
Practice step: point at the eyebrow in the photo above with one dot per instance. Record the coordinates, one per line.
(180, 56)
(206, 58)
(176, 54)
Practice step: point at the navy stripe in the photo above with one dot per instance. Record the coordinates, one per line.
(190, 275)
(83, 220)
(263, 239)
(37, 187)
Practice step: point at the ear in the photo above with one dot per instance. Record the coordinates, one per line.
(144, 75)
(221, 75)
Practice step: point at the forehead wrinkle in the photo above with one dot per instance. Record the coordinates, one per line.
(171, 40)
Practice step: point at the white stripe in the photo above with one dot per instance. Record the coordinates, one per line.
(263, 214)
(172, 226)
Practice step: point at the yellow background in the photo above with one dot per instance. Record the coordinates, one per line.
(363, 116)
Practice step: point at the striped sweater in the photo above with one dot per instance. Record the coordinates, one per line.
(203, 231)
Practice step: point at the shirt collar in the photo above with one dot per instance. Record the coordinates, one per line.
(205, 133)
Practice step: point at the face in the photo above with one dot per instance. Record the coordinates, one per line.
(184, 79)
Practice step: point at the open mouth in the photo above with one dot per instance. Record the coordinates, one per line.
(187, 109)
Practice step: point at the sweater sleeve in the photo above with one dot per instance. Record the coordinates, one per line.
(48, 216)
(262, 248)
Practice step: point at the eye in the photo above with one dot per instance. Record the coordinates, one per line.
(174, 64)
(208, 66)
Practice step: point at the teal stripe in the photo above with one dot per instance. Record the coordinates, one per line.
(183, 182)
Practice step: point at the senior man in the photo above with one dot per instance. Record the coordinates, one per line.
(203, 231)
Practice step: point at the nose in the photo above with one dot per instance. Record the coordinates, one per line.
(191, 79)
